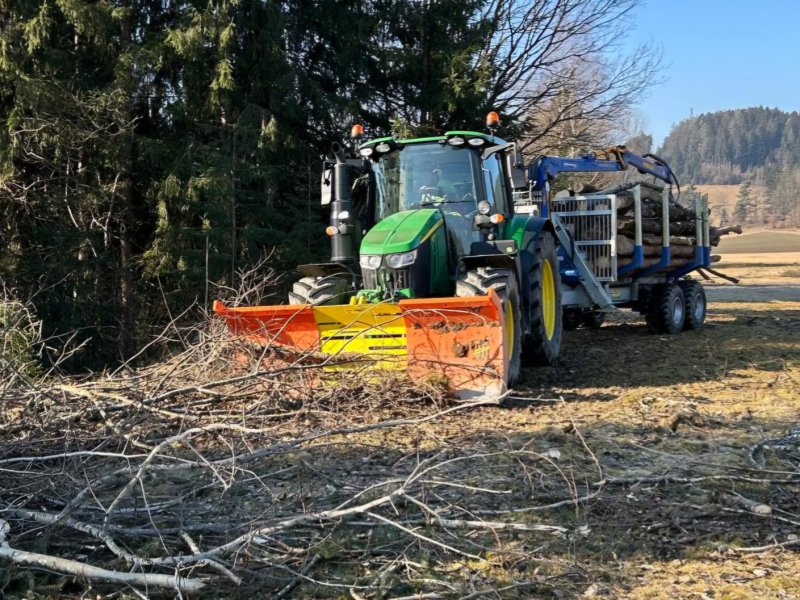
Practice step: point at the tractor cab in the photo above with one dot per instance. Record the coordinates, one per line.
(430, 269)
(425, 201)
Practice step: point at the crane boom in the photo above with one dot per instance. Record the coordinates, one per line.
(618, 158)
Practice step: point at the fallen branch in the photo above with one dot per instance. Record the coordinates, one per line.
(79, 569)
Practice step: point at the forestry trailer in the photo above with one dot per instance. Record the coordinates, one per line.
(450, 259)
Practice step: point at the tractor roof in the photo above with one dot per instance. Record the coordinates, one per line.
(437, 138)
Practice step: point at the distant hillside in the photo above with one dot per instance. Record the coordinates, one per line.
(733, 146)
(722, 201)
(755, 151)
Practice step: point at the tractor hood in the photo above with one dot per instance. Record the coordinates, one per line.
(402, 231)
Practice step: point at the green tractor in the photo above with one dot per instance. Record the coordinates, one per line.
(430, 266)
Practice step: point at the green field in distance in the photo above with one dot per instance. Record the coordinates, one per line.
(758, 243)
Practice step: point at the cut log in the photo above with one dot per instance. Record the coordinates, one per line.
(716, 233)
(625, 250)
(625, 244)
(675, 240)
(652, 209)
(719, 231)
(627, 226)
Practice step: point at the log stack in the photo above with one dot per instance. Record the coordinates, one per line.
(682, 226)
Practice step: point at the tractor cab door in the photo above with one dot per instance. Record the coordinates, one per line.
(494, 182)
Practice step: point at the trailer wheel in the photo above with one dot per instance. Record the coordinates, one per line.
(332, 289)
(542, 345)
(504, 282)
(667, 312)
(695, 298)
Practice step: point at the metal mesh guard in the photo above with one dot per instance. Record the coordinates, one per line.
(592, 222)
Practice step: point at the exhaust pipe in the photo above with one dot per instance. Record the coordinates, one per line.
(342, 250)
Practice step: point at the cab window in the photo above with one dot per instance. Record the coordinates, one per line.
(494, 183)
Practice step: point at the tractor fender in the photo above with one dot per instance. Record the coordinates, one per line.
(495, 253)
(501, 254)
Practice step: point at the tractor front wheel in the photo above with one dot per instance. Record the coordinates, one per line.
(332, 289)
(504, 282)
(542, 344)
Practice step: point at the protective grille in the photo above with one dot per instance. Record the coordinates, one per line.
(394, 279)
(528, 202)
(592, 222)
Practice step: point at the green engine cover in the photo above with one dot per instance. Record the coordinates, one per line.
(401, 232)
(422, 230)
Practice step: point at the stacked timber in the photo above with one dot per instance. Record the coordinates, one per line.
(682, 226)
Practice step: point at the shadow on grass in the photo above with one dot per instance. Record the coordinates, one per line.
(627, 354)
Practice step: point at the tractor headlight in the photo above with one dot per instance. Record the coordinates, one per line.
(372, 261)
(401, 260)
(476, 141)
(456, 140)
(484, 207)
(366, 152)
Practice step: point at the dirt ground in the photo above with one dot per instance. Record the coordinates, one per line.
(640, 466)
(650, 406)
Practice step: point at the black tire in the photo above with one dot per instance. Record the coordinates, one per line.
(504, 282)
(571, 319)
(542, 344)
(667, 312)
(694, 296)
(321, 290)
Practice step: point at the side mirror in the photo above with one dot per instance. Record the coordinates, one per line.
(517, 173)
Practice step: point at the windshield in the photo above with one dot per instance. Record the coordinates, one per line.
(426, 175)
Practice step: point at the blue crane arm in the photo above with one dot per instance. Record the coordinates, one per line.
(545, 168)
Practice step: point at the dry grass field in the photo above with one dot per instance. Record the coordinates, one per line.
(641, 466)
(759, 243)
(724, 196)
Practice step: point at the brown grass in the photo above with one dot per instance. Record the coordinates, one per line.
(634, 447)
(761, 242)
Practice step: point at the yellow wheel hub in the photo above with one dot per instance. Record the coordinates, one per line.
(509, 321)
(548, 300)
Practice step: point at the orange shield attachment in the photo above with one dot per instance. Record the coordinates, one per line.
(458, 340)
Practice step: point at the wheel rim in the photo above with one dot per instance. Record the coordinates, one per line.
(509, 318)
(677, 310)
(548, 300)
(699, 307)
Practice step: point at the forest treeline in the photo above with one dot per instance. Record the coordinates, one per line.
(149, 150)
(748, 147)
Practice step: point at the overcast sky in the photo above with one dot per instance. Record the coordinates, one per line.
(719, 55)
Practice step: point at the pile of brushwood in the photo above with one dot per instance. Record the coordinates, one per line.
(226, 471)
(231, 471)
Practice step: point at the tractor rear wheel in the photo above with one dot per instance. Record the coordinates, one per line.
(667, 311)
(695, 298)
(332, 289)
(542, 345)
(504, 282)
